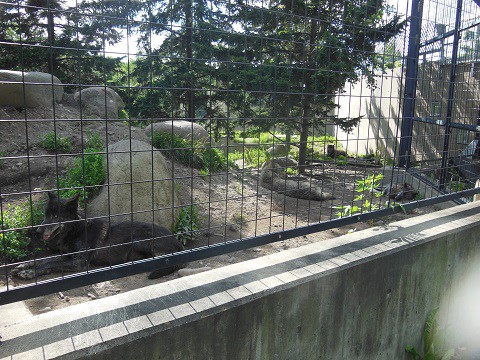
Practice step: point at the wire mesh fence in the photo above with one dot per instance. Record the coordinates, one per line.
(138, 136)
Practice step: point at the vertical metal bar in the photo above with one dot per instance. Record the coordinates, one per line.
(410, 84)
(451, 93)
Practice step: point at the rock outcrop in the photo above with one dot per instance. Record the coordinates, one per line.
(99, 102)
(29, 89)
(280, 150)
(185, 129)
(131, 189)
(273, 177)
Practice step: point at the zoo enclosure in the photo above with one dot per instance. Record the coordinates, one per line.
(255, 82)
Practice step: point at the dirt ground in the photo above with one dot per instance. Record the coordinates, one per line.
(231, 205)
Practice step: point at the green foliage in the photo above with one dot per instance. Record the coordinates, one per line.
(14, 244)
(176, 148)
(204, 158)
(455, 186)
(57, 143)
(65, 51)
(252, 156)
(367, 191)
(87, 172)
(213, 160)
(123, 114)
(434, 338)
(187, 224)
(93, 141)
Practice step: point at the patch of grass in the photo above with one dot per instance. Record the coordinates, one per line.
(291, 171)
(53, 142)
(93, 141)
(253, 156)
(14, 244)
(87, 173)
(187, 224)
(204, 158)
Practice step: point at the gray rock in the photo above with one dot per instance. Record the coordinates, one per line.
(99, 102)
(29, 89)
(279, 150)
(185, 129)
(118, 197)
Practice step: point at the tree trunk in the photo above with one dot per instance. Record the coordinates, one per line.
(305, 126)
(189, 53)
(308, 98)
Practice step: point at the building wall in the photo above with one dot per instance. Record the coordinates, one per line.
(381, 108)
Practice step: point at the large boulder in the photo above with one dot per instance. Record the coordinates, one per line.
(280, 150)
(131, 168)
(99, 102)
(185, 129)
(29, 89)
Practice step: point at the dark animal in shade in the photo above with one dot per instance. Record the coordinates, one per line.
(334, 153)
(400, 192)
(95, 242)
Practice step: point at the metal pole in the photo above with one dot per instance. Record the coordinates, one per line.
(451, 93)
(410, 83)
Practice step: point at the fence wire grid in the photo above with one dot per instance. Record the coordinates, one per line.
(142, 135)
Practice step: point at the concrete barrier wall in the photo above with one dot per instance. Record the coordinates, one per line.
(360, 296)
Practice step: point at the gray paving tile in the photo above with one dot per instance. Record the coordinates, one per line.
(161, 317)
(87, 339)
(58, 348)
(137, 324)
(35, 354)
(182, 310)
(221, 298)
(113, 331)
(272, 282)
(202, 304)
(256, 287)
(239, 292)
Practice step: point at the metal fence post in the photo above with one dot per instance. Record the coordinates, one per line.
(410, 83)
(451, 93)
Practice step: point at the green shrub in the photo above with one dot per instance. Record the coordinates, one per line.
(367, 191)
(14, 244)
(87, 172)
(58, 143)
(252, 156)
(123, 114)
(187, 224)
(212, 160)
(204, 158)
(93, 141)
(175, 148)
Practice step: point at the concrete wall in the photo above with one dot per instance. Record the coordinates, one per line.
(360, 296)
(380, 108)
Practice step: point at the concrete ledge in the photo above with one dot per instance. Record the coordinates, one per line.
(362, 295)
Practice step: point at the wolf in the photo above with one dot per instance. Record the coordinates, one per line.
(334, 153)
(95, 241)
